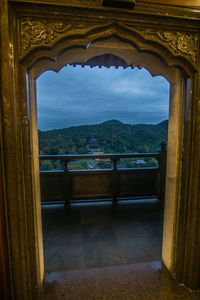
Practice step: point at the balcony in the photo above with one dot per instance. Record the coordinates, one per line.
(71, 186)
(115, 215)
(100, 244)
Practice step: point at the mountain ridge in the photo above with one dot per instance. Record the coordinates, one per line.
(113, 121)
(114, 137)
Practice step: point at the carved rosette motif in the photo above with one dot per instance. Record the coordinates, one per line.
(38, 32)
(180, 43)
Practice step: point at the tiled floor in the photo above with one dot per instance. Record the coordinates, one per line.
(91, 236)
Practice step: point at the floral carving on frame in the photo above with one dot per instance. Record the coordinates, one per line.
(179, 42)
(38, 32)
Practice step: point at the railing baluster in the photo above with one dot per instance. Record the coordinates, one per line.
(115, 181)
(116, 175)
(66, 185)
(162, 166)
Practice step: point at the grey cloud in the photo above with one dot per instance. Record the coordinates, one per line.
(77, 96)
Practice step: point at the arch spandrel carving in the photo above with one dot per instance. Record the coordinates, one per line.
(37, 32)
(180, 43)
(39, 37)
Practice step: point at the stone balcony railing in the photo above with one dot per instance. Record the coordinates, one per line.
(116, 183)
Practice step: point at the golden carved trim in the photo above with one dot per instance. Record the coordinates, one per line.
(38, 32)
(178, 42)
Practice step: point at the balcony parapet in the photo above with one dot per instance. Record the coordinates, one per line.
(115, 183)
(70, 157)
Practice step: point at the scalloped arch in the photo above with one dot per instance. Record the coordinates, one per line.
(153, 64)
(168, 47)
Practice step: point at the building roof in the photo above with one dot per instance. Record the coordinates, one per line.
(140, 161)
(93, 140)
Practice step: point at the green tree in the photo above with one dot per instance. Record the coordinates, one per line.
(104, 165)
(84, 164)
(46, 165)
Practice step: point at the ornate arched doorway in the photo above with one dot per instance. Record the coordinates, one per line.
(50, 42)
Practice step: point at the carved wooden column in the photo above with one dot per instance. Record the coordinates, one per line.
(20, 212)
(192, 246)
(187, 258)
(45, 33)
(6, 288)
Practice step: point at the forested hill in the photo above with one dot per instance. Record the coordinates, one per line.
(113, 136)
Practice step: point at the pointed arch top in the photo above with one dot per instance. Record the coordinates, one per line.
(39, 37)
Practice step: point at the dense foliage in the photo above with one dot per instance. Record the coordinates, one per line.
(113, 137)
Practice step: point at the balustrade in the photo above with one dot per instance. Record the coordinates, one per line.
(115, 183)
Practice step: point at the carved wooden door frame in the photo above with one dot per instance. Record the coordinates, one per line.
(40, 40)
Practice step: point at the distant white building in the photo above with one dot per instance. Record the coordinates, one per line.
(139, 162)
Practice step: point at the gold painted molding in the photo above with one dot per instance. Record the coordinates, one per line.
(190, 3)
(183, 44)
(39, 32)
(36, 33)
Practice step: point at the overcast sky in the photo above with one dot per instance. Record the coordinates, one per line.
(79, 96)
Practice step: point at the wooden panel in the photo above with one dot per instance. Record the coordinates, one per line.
(98, 184)
(51, 186)
(135, 184)
(91, 185)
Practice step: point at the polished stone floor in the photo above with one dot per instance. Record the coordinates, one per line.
(96, 235)
(95, 252)
(139, 281)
